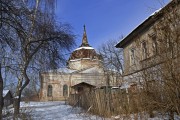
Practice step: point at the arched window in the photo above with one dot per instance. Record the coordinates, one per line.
(49, 93)
(65, 90)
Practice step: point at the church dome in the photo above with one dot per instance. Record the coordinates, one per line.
(84, 56)
(85, 51)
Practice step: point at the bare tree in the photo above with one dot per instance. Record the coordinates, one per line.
(168, 38)
(37, 40)
(8, 22)
(112, 61)
(161, 74)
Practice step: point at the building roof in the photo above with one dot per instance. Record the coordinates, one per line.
(65, 70)
(144, 25)
(90, 70)
(83, 84)
(5, 92)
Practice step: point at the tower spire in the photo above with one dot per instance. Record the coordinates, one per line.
(84, 39)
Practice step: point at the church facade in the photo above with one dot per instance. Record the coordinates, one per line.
(84, 66)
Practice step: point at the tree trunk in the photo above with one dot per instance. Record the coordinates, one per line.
(19, 90)
(1, 94)
(17, 98)
(1, 98)
(171, 115)
(17, 101)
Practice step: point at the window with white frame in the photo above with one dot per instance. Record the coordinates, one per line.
(169, 44)
(144, 50)
(132, 56)
(154, 45)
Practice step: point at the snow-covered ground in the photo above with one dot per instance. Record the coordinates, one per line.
(55, 111)
(60, 111)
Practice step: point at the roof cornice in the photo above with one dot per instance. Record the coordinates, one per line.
(144, 25)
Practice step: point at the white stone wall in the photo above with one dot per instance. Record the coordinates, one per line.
(83, 63)
(58, 80)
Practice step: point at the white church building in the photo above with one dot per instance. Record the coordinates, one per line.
(84, 66)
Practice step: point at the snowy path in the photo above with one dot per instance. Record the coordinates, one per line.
(55, 111)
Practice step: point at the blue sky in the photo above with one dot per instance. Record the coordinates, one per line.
(105, 19)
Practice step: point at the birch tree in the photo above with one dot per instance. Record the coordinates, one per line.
(39, 42)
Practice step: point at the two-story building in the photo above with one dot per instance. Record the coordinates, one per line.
(151, 43)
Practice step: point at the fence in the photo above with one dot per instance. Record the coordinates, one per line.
(106, 102)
